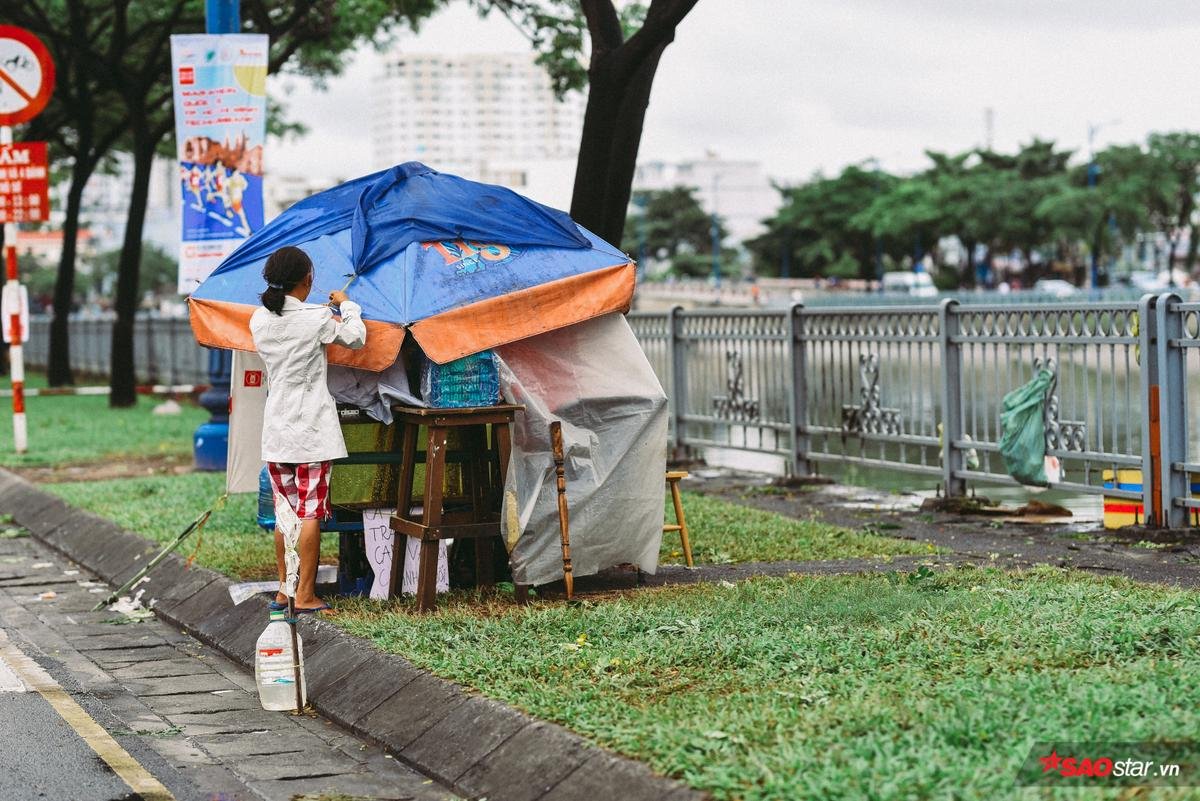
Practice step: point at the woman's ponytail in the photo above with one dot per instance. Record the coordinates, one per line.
(285, 268)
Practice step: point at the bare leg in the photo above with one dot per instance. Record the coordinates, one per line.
(309, 549)
(279, 596)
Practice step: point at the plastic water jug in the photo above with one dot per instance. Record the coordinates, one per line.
(266, 501)
(273, 670)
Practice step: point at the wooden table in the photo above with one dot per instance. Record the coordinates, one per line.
(484, 470)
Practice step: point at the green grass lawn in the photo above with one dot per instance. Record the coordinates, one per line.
(67, 430)
(847, 687)
(159, 507)
(721, 531)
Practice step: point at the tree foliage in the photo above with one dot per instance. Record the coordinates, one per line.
(671, 227)
(1034, 201)
(119, 54)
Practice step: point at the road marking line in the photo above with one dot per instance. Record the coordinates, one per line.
(9, 683)
(36, 678)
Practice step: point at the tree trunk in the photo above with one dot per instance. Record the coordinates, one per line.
(608, 149)
(123, 381)
(59, 364)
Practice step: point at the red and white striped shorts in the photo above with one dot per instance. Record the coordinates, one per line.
(304, 485)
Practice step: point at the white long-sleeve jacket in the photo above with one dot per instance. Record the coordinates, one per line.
(300, 422)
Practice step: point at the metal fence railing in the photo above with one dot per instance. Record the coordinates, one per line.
(912, 388)
(163, 348)
(919, 389)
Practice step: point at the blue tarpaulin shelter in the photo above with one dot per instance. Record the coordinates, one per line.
(464, 266)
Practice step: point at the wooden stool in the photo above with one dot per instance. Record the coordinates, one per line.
(483, 474)
(680, 525)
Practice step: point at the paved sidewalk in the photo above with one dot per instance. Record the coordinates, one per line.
(188, 715)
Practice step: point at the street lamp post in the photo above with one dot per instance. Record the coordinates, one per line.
(220, 16)
(1093, 171)
(715, 229)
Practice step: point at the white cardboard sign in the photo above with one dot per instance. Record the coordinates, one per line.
(380, 540)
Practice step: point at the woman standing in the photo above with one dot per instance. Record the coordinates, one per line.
(301, 433)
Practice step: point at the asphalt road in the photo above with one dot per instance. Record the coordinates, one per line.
(42, 758)
(99, 706)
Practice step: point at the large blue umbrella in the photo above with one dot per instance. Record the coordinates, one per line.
(464, 266)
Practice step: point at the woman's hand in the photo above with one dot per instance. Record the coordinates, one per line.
(337, 297)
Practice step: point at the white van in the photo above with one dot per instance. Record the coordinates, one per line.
(919, 285)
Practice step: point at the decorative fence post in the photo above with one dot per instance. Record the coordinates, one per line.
(798, 387)
(678, 388)
(1147, 360)
(952, 424)
(1172, 413)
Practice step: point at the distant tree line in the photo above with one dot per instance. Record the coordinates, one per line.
(1036, 202)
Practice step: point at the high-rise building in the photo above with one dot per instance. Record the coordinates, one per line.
(488, 117)
(737, 191)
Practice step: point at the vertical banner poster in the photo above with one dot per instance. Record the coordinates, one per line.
(220, 86)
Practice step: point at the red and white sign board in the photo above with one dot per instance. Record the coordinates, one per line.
(26, 75)
(24, 182)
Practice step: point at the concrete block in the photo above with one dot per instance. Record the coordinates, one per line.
(599, 776)
(412, 711)
(528, 765)
(464, 737)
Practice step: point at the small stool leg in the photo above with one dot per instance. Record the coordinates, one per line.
(435, 475)
(403, 506)
(679, 518)
(475, 443)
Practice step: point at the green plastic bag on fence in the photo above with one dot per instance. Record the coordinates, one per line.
(1023, 430)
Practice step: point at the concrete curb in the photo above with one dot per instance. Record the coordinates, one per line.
(477, 746)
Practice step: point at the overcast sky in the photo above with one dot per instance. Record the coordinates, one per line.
(808, 85)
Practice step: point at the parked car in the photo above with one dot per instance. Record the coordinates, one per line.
(1056, 287)
(919, 285)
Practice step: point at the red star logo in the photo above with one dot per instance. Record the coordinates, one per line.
(1051, 762)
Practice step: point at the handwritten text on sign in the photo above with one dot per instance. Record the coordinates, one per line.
(377, 530)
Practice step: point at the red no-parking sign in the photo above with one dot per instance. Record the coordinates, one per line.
(26, 75)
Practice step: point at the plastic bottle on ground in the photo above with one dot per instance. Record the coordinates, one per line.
(273, 671)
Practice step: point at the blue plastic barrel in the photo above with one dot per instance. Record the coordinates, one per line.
(266, 501)
(211, 442)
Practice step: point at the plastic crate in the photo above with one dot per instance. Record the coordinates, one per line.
(471, 381)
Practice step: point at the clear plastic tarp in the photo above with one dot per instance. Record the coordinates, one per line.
(595, 379)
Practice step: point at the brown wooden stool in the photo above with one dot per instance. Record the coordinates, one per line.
(680, 524)
(483, 472)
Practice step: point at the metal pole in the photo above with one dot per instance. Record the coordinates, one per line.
(799, 391)
(716, 236)
(1148, 371)
(952, 458)
(678, 399)
(1172, 412)
(220, 16)
(16, 359)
